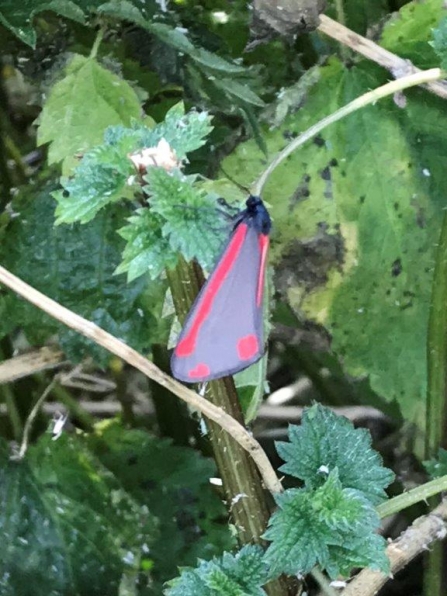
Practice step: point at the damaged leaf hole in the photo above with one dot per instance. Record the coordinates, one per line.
(308, 263)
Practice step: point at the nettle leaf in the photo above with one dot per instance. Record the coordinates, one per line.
(191, 218)
(439, 42)
(74, 265)
(100, 179)
(325, 441)
(242, 574)
(66, 525)
(104, 173)
(81, 106)
(184, 132)
(409, 31)
(329, 526)
(437, 467)
(147, 250)
(175, 488)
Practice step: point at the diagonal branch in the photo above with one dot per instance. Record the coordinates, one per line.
(414, 541)
(399, 67)
(137, 360)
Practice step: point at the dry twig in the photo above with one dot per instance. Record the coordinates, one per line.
(399, 67)
(132, 357)
(415, 540)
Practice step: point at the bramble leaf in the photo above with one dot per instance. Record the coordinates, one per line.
(241, 574)
(81, 106)
(325, 441)
(331, 526)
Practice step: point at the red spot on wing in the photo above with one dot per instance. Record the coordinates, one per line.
(247, 347)
(201, 370)
(187, 345)
(264, 247)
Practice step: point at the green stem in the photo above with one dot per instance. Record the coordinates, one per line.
(436, 413)
(247, 502)
(13, 412)
(415, 495)
(172, 413)
(364, 100)
(31, 417)
(341, 18)
(436, 408)
(340, 12)
(97, 42)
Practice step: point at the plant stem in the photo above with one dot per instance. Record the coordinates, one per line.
(398, 67)
(13, 412)
(140, 362)
(31, 417)
(247, 503)
(97, 42)
(415, 495)
(172, 414)
(436, 413)
(436, 407)
(360, 102)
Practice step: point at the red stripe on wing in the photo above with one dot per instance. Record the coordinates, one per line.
(264, 248)
(187, 345)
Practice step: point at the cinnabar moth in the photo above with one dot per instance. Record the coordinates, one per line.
(223, 332)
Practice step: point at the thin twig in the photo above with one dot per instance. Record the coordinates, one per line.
(31, 417)
(398, 66)
(132, 357)
(360, 102)
(415, 540)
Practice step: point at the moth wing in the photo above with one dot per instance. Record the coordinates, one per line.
(223, 332)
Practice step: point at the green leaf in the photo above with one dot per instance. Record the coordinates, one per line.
(127, 11)
(439, 42)
(74, 265)
(175, 487)
(325, 442)
(330, 526)
(81, 106)
(191, 222)
(241, 574)
(104, 173)
(353, 211)
(146, 250)
(240, 91)
(437, 467)
(215, 62)
(18, 16)
(100, 179)
(66, 525)
(408, 32)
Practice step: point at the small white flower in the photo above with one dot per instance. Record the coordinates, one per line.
(161, 156)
